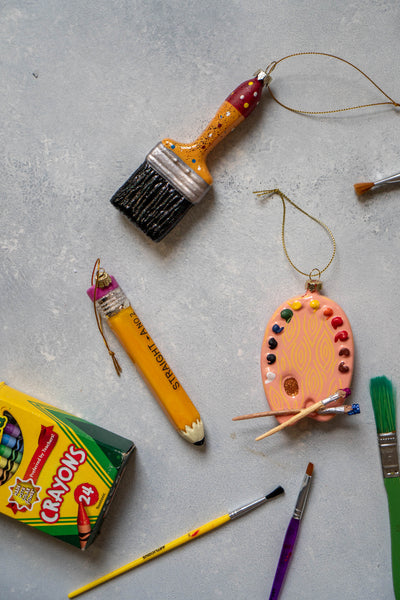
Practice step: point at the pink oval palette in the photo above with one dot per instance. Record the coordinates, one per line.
(307, 353)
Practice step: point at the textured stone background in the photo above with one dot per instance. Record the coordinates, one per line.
(87, 88)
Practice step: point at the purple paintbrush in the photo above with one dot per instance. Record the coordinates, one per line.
(291, 534)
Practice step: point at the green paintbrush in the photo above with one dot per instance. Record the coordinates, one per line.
(383, 403)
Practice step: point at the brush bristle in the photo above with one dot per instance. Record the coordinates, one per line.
(151, 202)
(276, 492)
(383, 402)
(361, 188)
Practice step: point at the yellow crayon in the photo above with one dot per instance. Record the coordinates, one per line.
(111, 303)
(191, 535)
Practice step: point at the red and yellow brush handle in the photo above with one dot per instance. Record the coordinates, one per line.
(238, 105)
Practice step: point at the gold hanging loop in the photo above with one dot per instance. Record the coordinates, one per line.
(315, 273)
(96, 275)
(275, 63)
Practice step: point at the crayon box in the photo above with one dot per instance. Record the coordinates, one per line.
(58, 472)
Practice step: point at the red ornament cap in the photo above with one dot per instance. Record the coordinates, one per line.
(246, 97)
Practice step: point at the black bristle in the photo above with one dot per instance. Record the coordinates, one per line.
(276, 492)
(151, 202)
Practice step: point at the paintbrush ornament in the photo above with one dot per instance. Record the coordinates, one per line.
(361, 188)
(383, 403)
(174, 175)
(339, 395)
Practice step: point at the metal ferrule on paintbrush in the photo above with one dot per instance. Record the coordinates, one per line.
(389, 455)
(303, 495)
(391, 179)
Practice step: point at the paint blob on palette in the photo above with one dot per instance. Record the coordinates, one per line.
(11, 447)
(307, 353)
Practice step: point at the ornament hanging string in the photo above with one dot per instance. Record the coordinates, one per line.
(96, 274)
(315, 273)
(275, 63)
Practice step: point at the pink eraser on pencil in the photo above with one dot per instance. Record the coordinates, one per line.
(100, 292)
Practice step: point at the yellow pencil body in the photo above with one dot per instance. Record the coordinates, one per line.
(154, 368)
(195, 533)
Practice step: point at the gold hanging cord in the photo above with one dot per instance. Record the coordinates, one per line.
(315, 274)
(275, 63)
(96, 273)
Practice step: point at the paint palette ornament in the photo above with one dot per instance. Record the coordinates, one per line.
(307, 353)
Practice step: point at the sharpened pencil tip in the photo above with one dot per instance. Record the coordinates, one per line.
(200, 443)
(276, 492)
(310, 469)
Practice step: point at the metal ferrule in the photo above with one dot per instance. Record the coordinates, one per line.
(389, 455)
(337, 396)
(112, 303)
(302, 497)
(183, 178)
(392, 179)
(340, 410)
(263, 76)
(332, 410)
(247, 508)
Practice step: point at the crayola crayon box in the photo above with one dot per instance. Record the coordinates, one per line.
(58, 473)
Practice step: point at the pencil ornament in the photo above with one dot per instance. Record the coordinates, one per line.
(362, 188)
(184, 539)
(384, 405)
(112, 304)
(84, 527)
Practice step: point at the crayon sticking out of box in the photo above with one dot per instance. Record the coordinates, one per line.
(54, 465)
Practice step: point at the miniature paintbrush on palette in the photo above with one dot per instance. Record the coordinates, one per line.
(344, 409)
(174, 175)
(317, 406)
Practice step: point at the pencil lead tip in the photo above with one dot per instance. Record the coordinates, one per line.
(200, 442)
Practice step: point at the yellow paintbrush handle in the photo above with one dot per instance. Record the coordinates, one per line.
(195, 533)
(294, 419)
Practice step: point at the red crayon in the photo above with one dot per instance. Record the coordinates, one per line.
(84, 527)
